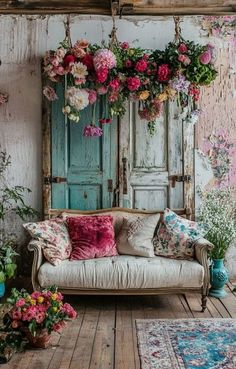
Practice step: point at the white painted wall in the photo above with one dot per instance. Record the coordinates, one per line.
(24, 40)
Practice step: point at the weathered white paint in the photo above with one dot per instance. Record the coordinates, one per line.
(24, 40)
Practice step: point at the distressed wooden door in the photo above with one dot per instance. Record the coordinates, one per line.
(83, 169)
(148, 164)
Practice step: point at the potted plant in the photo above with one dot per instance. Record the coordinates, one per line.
(217, 212)
(11, 204)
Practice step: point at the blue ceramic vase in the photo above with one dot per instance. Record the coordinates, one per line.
(219, 276)
(2, 289)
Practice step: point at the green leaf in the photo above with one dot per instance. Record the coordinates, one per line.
(10, 269)
(2, 277)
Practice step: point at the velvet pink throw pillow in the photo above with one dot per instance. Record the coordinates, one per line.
(91, 237)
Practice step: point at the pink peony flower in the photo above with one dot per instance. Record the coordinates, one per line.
(182, 48)
(128, 63)
(68, 59)
(29, 314)
(92, 96)
(16, 314)
(39, 317)
(205, 57)
(104, 59)
(133, 83)
(50, 93)
(90, 131)
(58, 326)
(163, 73)
(124, 45)
(184, 59)
(102, 75)
(20, 302)
(35, 295)
(115, 84)
(67, 308)
(88, 61)
(113, 96)
(141, 65)
(102, 90)
(59, 70)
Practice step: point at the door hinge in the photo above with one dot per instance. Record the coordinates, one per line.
(51, 179)
(179, 178)
(110, 185)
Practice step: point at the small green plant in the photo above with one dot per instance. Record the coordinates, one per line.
(11, 204)
(217, 213)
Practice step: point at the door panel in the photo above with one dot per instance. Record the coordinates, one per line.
(147, 162)
(86, 162)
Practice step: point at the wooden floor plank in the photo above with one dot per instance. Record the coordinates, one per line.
(103, 352)
(124, 343)
(104, 334)
(81, 356)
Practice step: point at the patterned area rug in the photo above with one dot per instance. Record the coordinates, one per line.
(187, 343)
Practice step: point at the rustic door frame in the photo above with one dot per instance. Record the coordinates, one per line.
(188, 161)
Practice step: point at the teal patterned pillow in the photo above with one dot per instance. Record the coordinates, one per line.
(176, 235)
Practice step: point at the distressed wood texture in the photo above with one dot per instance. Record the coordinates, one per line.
(87, 165)
(104, 335)
(146, 163)
(122, 6)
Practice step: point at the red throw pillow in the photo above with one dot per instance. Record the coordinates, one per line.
(91, 237)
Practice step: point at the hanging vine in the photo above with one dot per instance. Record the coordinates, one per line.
(122, 73)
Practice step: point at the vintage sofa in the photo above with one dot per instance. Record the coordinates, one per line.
(123, 274)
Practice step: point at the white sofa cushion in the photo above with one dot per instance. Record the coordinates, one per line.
(136, 234)
(122, 272)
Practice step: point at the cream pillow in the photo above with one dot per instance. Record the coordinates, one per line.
(136, 234)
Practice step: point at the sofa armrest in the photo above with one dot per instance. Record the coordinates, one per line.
(202, 248)
(36, 247)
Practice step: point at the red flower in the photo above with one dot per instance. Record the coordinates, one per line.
(133, 83)
(163, 73)
(182, 48)
(141, 65)
(105, 121)
(115, 84)
(124, 45)
(68, 59)
(88, 61)
(102, 74)
(194, 91)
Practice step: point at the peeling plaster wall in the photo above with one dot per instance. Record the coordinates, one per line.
(24, 40)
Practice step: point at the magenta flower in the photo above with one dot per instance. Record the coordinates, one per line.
(20, 302)
(133, 83)
(182, 48)
(115, 84)
(205, 57)
(102, 75)
(92, 96)
(92, 131)
(124, 45)
(141, 65)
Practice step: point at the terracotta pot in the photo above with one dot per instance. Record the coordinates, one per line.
(41, 340)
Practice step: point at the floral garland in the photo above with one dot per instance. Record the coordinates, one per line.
(119, 73)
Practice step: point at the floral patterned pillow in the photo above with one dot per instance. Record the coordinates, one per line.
(55, 237)
(176, 236)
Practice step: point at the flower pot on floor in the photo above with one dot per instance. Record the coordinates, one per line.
(41, 340)
(219, 276)
(2, 289)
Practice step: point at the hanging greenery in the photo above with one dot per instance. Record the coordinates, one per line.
(124, 73)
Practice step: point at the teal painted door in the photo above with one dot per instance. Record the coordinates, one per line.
(88, 164)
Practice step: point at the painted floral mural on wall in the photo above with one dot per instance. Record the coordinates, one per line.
(221, 151)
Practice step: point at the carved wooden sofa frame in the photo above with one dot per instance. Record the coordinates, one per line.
(202, 248)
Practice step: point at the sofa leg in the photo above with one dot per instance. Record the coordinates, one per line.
(204, 303)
